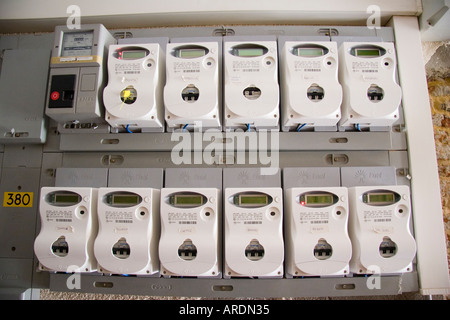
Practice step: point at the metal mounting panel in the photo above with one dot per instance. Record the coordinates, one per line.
(232, 288)
(37, 166)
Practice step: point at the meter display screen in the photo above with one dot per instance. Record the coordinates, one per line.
(77, 43)
(186, 200)
(123, 199)
(367, 52)
(308, 52)
(64, 199)
(251, 200)
(379, 198)
(249, 52)
(133, 54)
(190, 53)
(317, 199)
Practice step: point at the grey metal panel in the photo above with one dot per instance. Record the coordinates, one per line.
(18, 224)
(399, 160)
(26, 155)
(333, 158)
(311, 177)
(368, 176)
(233, 159)
(136, 177)
(36, 40)
(1, 165)
(283, 141)
(50, 162)
(8, 42)
(193, 178)
(249, 178)
(15, 275)
(230, 288)
(147, 151)
(52, 142)
(81, 177)
(23, 83)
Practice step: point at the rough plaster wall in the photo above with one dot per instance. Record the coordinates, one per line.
(437, 59)
(438, 78)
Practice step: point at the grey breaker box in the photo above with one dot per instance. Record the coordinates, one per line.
(23, 83)
(100, 159)
(77, 77)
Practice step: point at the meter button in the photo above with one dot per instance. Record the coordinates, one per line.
(54, 95)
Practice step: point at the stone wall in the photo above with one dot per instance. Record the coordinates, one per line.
(437, 58)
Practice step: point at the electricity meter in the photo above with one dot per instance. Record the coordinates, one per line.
(372, 96)
(133, 97)
(192, 91)
(251, 85)
(68, 229)
(310, 90)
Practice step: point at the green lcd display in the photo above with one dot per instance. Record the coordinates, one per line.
(190, 53)
(65, 198)
(318, 199)
(186, 200)
(367, 52)
(125, 199)
(308, 52)
(133, 54)
(122, 199)
(380, 198)
(249, 52)
(251, 200)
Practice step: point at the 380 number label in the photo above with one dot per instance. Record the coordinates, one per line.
(18, 199)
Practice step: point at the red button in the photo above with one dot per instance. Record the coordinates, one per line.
(54, 95)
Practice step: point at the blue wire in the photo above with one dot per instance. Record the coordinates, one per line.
(357, 127)
(129, 129)
(248, 127)
(300, 127)
(185, 126)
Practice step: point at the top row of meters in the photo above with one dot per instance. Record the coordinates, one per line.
(322, 88)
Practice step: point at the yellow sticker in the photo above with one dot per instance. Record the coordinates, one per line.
(18, 199)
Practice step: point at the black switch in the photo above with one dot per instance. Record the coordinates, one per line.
(62, 91)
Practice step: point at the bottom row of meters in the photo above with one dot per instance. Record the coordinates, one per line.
(238, 232)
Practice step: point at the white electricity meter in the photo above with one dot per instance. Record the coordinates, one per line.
(254, 245)
(379, 227)
(68, 229)
(317, 241)
(190, 222)
(192, 91)
(251, 85)
(372, 96)
(133, 97)
(129, 229)
(77, 77)
(311, 95)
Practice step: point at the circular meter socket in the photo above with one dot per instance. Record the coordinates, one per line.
(187, 250)
(315, 93)
(375, 93)
(128, 95)
(190, 93)
(388, 248)
(60, 247)
(252, 93)
(121, 249)
(254, 250)
(322, 250)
